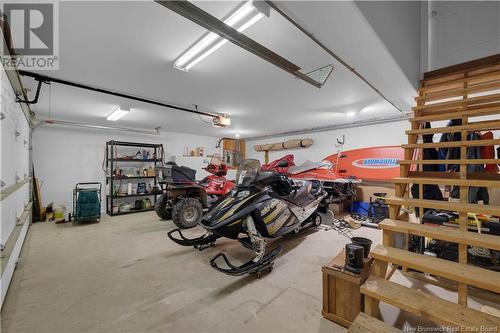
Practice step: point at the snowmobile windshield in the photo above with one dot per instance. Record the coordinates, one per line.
(247, 172)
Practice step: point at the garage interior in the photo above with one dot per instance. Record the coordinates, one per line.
(250, 166)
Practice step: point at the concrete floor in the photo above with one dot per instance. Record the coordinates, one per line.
(125, 275)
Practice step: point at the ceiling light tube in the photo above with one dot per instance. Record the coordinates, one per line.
(222, 42)
(95, 126)
(199, 51)
(117, 114)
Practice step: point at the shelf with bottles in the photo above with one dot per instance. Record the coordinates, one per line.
(122, 189)
(126, 180)
(131, 177)
(125, 159)
(134, 211)
(135, 195)
(132, 173)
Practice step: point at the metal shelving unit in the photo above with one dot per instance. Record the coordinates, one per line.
(112, 161)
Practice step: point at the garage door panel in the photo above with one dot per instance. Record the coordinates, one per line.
(15, 167)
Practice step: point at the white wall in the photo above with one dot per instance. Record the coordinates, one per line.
(440, 33)
(64, 156)
(397, 23)
(389, 134)
(461, 31)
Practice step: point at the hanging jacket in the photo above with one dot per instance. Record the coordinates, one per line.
(488, 152)
(450, 153)
(475, 193)
(431, 192)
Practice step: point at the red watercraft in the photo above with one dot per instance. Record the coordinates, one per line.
(369, 164)
(341, 172)
(339, 188)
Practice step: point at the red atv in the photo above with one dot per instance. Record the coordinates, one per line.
(184, 199)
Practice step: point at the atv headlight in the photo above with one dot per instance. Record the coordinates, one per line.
(243, 194)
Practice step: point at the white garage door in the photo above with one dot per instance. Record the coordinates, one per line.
(15, 204)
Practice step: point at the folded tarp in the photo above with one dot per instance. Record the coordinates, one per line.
(290, 144)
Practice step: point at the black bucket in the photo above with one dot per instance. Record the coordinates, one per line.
(364, 242)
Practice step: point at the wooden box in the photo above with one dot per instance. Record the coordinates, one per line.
(342, 300)
(150, 172)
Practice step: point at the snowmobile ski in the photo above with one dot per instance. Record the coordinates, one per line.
(249, 267)
(200, 243)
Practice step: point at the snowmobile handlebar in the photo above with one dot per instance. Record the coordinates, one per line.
(281, 184)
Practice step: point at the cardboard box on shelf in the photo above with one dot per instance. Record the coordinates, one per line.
(150, 172)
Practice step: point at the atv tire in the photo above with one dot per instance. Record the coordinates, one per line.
(187, 213)
(161, 209)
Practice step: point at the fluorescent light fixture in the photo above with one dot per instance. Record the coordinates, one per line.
(117, 114)
(221, 43)
(350, 114)
(206, 45)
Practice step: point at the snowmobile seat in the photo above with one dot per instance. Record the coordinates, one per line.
(300, 195)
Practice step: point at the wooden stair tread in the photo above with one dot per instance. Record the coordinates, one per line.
(471, 161)
(449, 234)
(470, 143)
(459, 91)
(451, 206)
(426, 305)
(483, 110)
(479, 125)
(455, 175)
(470, 275)
(364, 323)
(447, 181)
(462, 103)
(484, 77)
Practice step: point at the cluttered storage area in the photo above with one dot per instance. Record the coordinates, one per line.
(250, 166)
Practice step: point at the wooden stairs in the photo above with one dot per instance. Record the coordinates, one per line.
(465, 92)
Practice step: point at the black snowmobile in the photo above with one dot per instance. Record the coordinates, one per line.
(264, 204)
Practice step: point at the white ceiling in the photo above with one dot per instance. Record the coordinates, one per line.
(130, 47)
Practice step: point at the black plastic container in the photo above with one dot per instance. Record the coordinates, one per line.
(354, 258)
(364, 242)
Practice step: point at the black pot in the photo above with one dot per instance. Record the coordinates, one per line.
(353, 258)
(364, 242)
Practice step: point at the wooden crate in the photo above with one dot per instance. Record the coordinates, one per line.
(342, 300)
